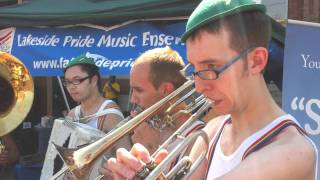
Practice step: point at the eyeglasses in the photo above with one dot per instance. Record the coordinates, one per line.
(66, 83)
(212, 73)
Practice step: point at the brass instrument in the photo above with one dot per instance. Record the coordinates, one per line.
(91, 132)
(16, 95)
(79, 160)
(16, 92)
(184, 167)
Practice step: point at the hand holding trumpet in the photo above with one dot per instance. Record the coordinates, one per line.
(127, 165)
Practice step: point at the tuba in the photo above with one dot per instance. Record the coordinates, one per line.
(16, 93)
(79, 160)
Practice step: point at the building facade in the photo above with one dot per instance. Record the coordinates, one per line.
(305, 10)
(277, 9)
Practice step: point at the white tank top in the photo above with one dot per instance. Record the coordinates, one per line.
(93, 122)
(222, 164)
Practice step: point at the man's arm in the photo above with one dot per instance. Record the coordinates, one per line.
(289, 156)
(110, 122)
(11, 153)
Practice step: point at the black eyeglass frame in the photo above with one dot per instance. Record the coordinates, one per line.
(78, 81)
(217, 72)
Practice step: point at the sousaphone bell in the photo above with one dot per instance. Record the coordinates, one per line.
(16, 92)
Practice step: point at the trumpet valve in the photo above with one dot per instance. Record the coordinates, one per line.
(181, 169)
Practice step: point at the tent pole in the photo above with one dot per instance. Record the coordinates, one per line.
(63, 93)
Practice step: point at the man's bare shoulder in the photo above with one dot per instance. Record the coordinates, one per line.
(113, 105)
(289, 156)
(292, 141)
(292, 135)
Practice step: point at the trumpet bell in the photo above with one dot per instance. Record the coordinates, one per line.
(17, 92)
(67, 154)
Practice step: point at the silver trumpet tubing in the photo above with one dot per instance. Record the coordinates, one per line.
(184, 167)
(79, 160)
(177, 134)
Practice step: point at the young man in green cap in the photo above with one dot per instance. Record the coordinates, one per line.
(253, 138)
(82, 80)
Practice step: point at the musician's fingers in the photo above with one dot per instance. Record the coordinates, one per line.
(126, 158)
(116, 177)
(160, 156)
(141, 153)
(106, 172)
(119, 170)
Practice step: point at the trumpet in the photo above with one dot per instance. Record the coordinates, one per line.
(94, 134)
(184, 167)
(79, 160)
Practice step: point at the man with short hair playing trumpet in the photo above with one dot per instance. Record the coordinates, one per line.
(154, 75)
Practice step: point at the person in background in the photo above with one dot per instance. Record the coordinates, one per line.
(83, 82)
(252, 138)
(111, 89)
(9, 153)
(154, 75)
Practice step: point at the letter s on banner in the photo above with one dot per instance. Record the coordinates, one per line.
(314, 116)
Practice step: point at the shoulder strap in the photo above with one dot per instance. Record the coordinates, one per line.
(77, 113)
(105, 111)
(195, 126)
(265, 139)
(104, 104)
(214, 144)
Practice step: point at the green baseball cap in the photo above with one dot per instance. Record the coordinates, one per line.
(82, 59)
(209, 10)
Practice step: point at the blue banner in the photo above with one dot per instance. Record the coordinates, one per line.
(301, 85)
(45, 51)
